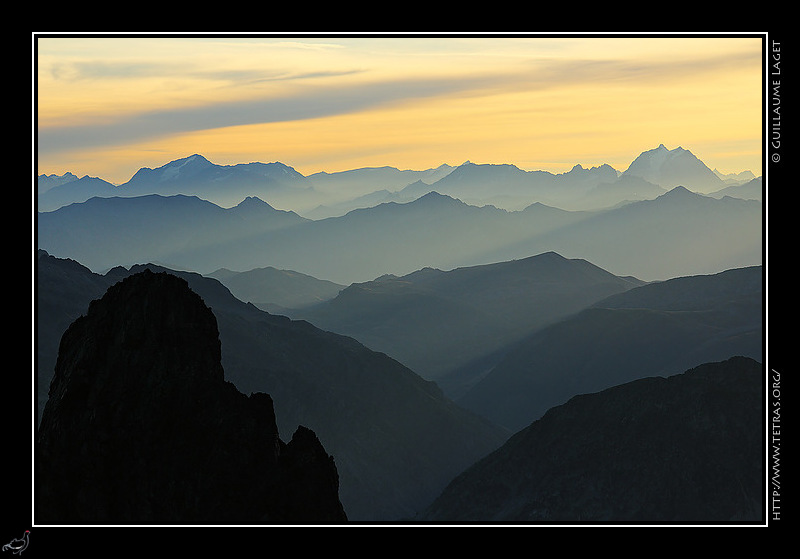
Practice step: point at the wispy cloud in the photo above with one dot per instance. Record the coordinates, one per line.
(326, 101)
(98, 70)
(75, 71)
(239, 83)
(309, 103)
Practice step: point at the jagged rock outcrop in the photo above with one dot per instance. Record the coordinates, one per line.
(141, 427)
(396, 439)
(685, 448)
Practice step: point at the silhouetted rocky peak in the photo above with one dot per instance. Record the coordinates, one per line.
(141, 428)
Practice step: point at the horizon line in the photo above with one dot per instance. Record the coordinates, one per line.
(401, 169)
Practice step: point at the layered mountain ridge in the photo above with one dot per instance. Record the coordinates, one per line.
(320, 194)
(410, 321)
(440, 322)
(661, 328)
(739, 295)
(691, 234)
(457, 218)
(396, 440)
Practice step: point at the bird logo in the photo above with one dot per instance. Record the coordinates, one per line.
(17, 546)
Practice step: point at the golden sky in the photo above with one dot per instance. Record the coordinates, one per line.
(108, 106)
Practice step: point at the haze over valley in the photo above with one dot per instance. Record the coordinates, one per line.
(450, 300)
(489, 281)
(684, 226)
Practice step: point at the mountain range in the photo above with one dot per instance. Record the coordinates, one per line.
(225, 185)
(452, 324)
(690, 234)
(413, 321)
(168, 215)
(674, 167)
(277, 291)
(395, 438)
(661, 328)
(358, 400)
(750, 190)
(325, 194)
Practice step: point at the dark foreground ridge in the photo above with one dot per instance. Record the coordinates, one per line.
(681, 449)
(141, 428)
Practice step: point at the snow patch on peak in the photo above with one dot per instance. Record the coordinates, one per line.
(652, 161)
(173, 169)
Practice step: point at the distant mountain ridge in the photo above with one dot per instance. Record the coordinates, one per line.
(750, 190)
(123, 231)
(675, 167)
(660, 328)
(223, 185)
(46, 182)
(344, 187)
(197, 175)
(437, 322)
(72, 191)
(415, 319)
(276, 290)
(510, 187)
(735, 178)
(691, 233)
(325, 194)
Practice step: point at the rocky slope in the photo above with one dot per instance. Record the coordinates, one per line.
(685, 448)
(141, 427)
(397, 441)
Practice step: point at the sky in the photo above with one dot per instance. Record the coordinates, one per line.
(108, 106)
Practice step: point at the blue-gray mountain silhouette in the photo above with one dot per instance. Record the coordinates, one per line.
(277, 291)
(453, 323)
(678, 233)
(661, 328)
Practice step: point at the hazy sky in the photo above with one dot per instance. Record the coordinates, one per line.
(109, 106)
